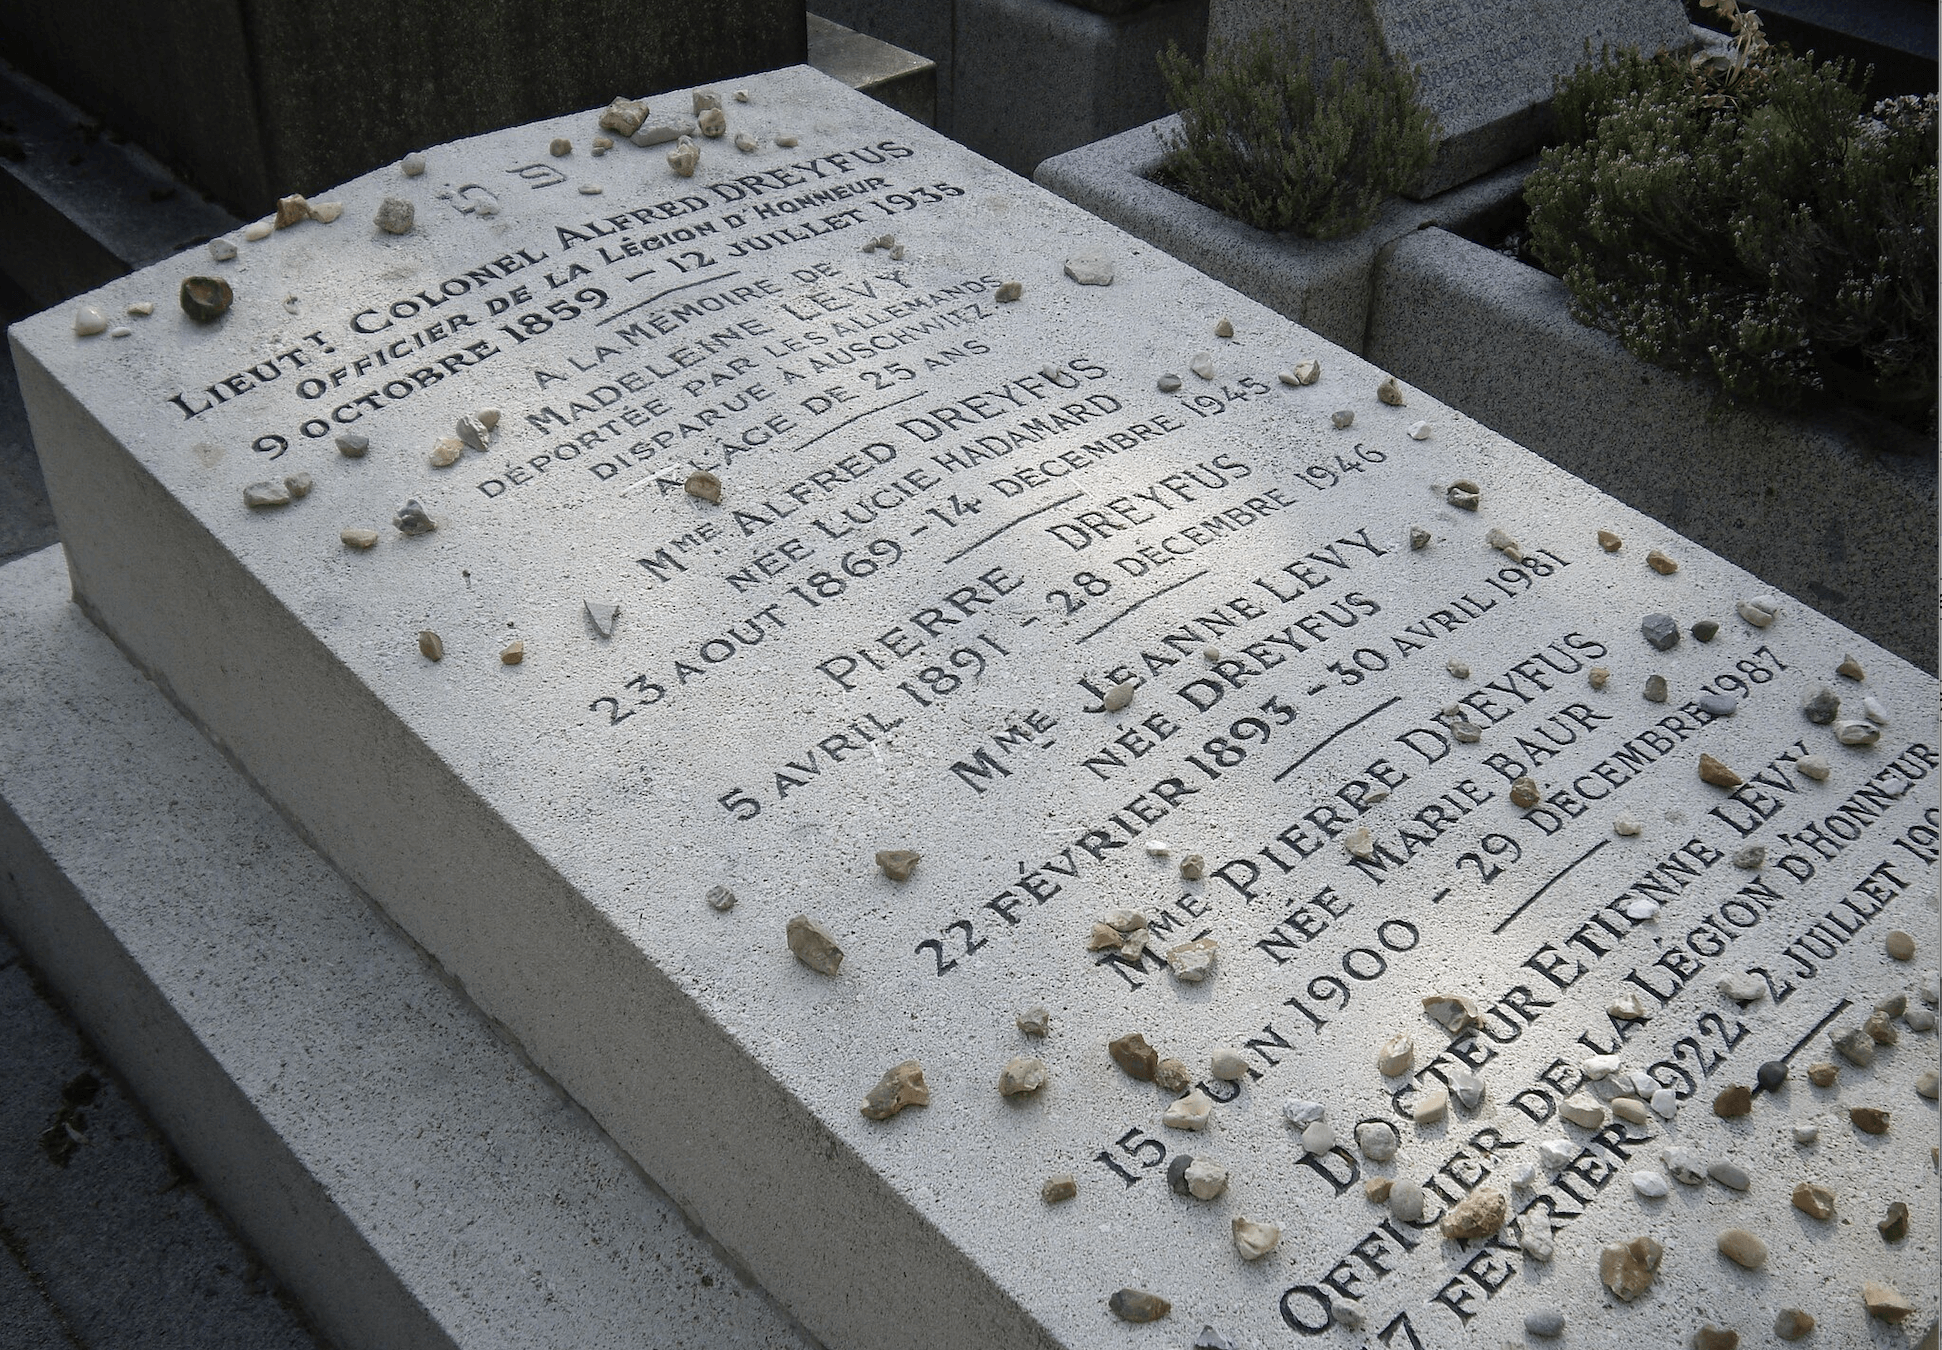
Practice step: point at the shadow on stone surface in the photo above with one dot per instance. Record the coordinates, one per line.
(26, 519)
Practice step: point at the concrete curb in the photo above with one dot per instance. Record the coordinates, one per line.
(410, 1178)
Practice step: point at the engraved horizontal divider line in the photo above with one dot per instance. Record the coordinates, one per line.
(1137, 603)
(1320, 745)
(1036, 511)
(1505, 922)
(686, 285)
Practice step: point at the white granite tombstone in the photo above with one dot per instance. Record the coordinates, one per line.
(1485, 69)
(948, 528)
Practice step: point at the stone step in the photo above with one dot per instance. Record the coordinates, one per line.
(406, 1172)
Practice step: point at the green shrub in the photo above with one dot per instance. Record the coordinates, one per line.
(1264, 140)
(1748, 217)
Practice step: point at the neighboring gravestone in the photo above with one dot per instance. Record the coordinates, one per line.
(1083, 604)
(1486, 70)
(253, 100)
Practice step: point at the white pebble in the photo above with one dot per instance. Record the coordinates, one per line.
(1302, 1113)
(222, 250)
(1158, 848)
(122, 330)
(1202, 365)
(1806, 1134)
(1665, 1103)
(1876, 713)
(1419, 431)
(88, 321)
(1599, 1066)
(257, 231)
(1555, 1153)
(1652, 1185)
(412, 164)
(591, 189)
(1624, 824)
(1641, 909)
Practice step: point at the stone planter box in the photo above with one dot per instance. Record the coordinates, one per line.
(1837, 509)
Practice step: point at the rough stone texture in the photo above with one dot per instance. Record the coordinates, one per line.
(1484, 332)
(1324, 285)
(1486, 70)
(293, 97)
(301, 1055)
(552, 854)
(1020, 81)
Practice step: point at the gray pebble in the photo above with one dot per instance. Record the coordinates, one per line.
(1661, 630)
(1771, 1075)
(221, 250)
(663, 131)
(1706, 630)
(412, 519)
(353, 444)
(1545, 1322)
(1177, 1173)
(1719, 705)
(1209, 1339)
(721, 898)
(1728, 1174)
(1343, 418)
(396, 216)
(1820, 705)
(1169, 384)
(1419, 538)
(1655, 689)
(1751, 858)
(1377, 1139)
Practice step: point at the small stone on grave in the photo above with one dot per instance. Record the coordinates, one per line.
(1419, 431)
(1599, 676)
(1171, 1075)
(684, 158)
(1430, 1106)
(1452, 1012)
(1119, 695)
(1894, 1225)
(1717, 773)
(1523, 793)
(1008, 292)
(1792, 1324)
(1628, 1008)
(265, 494)
(816, 948)
(744, 142)
(1169, 384)
(258, 230)
(703, 484)
(1856, 733)
(1193, 867)
(222, 250)
(1202, 365)
(1390, 393)
(1885, 1302)
(1224, 328)
(1820, 705)
(413, 519)
(206, 299)
(353, 445)
(431, 646)
(1205, 1179)
(1815, 1201)
(1464, 495)
(560, 147)
(1759, 611)
(1728, 1174)
(898, 863)
(1136, 1305)
(1318, 1137)
(412, 165)
(1254, 1240)
(1209, 1339)
(1628, 1269)
(1406, 1201)
(1058, 1188)
(1034, 1021)
(1092, 270)
(1710, 1337)
(1479, 1214)
(1661, 630)
(356, 536)
(1631, 1109)
(1823, 1074)
(1869, 1119)
(1851, 668)
(1881, 1027)
(1230, 1066)
(1134, 1056)
(623, 116)
(1655, 689)
(1307, 372)
(1772, 1075)
(1686, 1166)
(1376, 1189)
(446, 451)
(1660, 563)
(1582, 1109)
(1650, 1184)
(1856, 1046)
(1609, 541)
(1815, 767)
(1191, 1112)
(1742, 1248)
(1547, 1323)
(1706, 630)
(1396, 1055)
(1504, 544)
(396, 216)
(1419, 538)
(712, 122)
(788, 142)
(720, 899)
(901, 1086)
(1377, 1140)
(1733, 1101)
(1750, 858)
(513, 653)
(1718, 705)
(1925, 1084)
(1021, 1076)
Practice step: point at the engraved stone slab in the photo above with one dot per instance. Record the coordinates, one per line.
(1486, 70)
(977, 587)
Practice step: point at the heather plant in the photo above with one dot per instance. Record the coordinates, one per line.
(1747, 215)
(1269, 138)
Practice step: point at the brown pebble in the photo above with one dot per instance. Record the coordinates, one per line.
(814, 945)
(1629, 1268)
(206, 299)
(432, 645)
(1610, 542)
(1136, 1305)
(1710, 1337)
(514, 653)
(1481, 1213)
(1815, 1201)
(1135, 1056)
(898, 863)
(1713, 771)
(899, 1087)
(1660, 563)
(1792, 1324)
(704, 485)
(1823, 1074)
(1885, 1301)
(1743, 1248)
(1057, 1188)
(1894, 1227)
(1010, 291)
(560, 146)
(1900, 945)
(1869, 1119)
(1881, 1029)
(1376, 1190)
(1172, 1076)
(1734, 1101)
(1523, 792)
